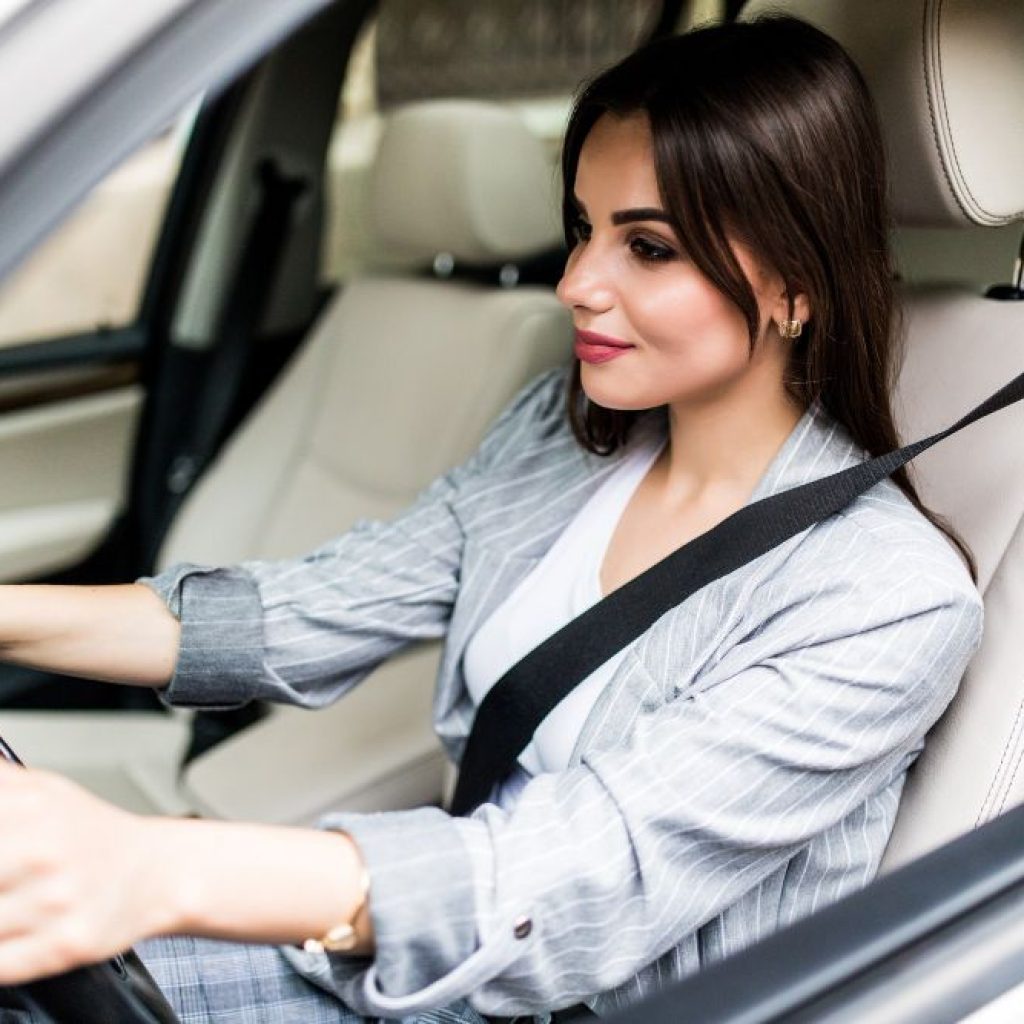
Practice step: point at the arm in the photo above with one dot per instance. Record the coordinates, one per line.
(224, 636)
(81, 880)
(805, 732)
(118, 634)
(305, 630)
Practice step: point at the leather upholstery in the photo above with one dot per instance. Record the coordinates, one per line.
(947, 79)
(466, 178)
(960, 348)
(397, 383)
(947, 76)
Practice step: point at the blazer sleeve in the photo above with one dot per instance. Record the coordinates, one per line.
(600, 869)
(305, 630)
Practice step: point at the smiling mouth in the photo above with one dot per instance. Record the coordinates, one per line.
(596, 348)
(600, 340)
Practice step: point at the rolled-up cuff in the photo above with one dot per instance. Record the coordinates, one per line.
(422, 930)
(220, 657)
(423, 902)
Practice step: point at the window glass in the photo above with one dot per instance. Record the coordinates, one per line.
(88, 275)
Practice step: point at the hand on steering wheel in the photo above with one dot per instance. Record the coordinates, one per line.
(123, 991)
(78, 876)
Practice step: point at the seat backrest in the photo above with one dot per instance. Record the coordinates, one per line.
(947, 78)
(399, 380)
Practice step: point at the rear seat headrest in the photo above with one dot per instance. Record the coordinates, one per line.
(948, 80)
(466, 178)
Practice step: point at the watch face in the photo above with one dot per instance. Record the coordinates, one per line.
(340, 938)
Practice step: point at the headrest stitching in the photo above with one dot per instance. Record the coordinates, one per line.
(931, 13)
(953, 149)
(963, 187)
(944, 112)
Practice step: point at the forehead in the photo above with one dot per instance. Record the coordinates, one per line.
(616, 164)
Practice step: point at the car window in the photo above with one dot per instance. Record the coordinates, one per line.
(89, 274)
(530, 55)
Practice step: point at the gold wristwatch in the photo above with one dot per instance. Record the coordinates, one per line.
(342, 937)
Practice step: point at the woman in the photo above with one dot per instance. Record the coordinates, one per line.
(736, 767)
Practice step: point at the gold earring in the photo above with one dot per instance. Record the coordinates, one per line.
(790, 328)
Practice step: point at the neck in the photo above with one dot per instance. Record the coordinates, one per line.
(719, 449)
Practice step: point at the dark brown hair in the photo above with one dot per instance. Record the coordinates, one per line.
(765, 131)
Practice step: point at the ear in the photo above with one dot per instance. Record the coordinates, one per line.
(801, 307)
(791, 306)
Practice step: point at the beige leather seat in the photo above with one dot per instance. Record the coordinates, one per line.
(948, 79)
(397, 383)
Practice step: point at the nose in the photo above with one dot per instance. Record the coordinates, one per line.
(585, 286)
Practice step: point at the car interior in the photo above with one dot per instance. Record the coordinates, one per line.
(264, 417)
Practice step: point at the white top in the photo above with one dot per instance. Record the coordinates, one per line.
(563, 584)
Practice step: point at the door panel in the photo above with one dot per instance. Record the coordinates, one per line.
(70, 352)
(65, 469)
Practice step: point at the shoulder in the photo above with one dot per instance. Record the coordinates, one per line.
(536, 416)
(878, 563)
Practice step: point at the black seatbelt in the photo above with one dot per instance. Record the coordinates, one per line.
(520, 700)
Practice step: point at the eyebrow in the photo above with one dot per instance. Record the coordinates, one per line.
(630, 216)
(640, 213)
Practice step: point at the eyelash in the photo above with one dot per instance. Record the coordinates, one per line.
(645, 249)
(649, 250)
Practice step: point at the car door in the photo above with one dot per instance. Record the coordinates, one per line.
(84, 312)
(71, 391)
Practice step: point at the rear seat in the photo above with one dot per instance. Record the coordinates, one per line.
(947, 79)
(399, 380)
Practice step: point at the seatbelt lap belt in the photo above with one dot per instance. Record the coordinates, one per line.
(515, 706)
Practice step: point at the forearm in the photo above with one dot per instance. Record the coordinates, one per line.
(121, 634)
(256, 883)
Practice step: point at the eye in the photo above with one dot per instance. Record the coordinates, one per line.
(580, 230)
(650, 250)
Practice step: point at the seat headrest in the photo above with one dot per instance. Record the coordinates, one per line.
(948, 80)
(463, 177)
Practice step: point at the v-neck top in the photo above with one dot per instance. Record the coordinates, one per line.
(564, 584)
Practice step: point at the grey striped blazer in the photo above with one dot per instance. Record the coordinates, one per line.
(742, 767)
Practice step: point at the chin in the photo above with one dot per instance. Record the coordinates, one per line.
(619, 399)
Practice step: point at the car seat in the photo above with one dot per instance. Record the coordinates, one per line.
(401, 376)
(947, 78)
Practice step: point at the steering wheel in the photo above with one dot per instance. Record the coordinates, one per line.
(120, 989)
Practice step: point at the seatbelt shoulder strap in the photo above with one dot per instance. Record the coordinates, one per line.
(522, 698)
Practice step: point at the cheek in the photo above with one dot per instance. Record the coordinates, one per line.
(695, 326)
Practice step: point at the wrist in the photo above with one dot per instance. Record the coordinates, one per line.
(255, 883)
(349, 935)
(176, 898)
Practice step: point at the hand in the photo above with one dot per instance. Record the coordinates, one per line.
(78, 876)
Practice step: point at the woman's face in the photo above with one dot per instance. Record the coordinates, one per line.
(629, 282)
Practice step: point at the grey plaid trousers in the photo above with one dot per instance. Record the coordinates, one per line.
(213, 982)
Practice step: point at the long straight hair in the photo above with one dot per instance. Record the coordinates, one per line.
(765, 132)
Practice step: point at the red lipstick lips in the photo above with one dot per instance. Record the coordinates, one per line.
(597, 348)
